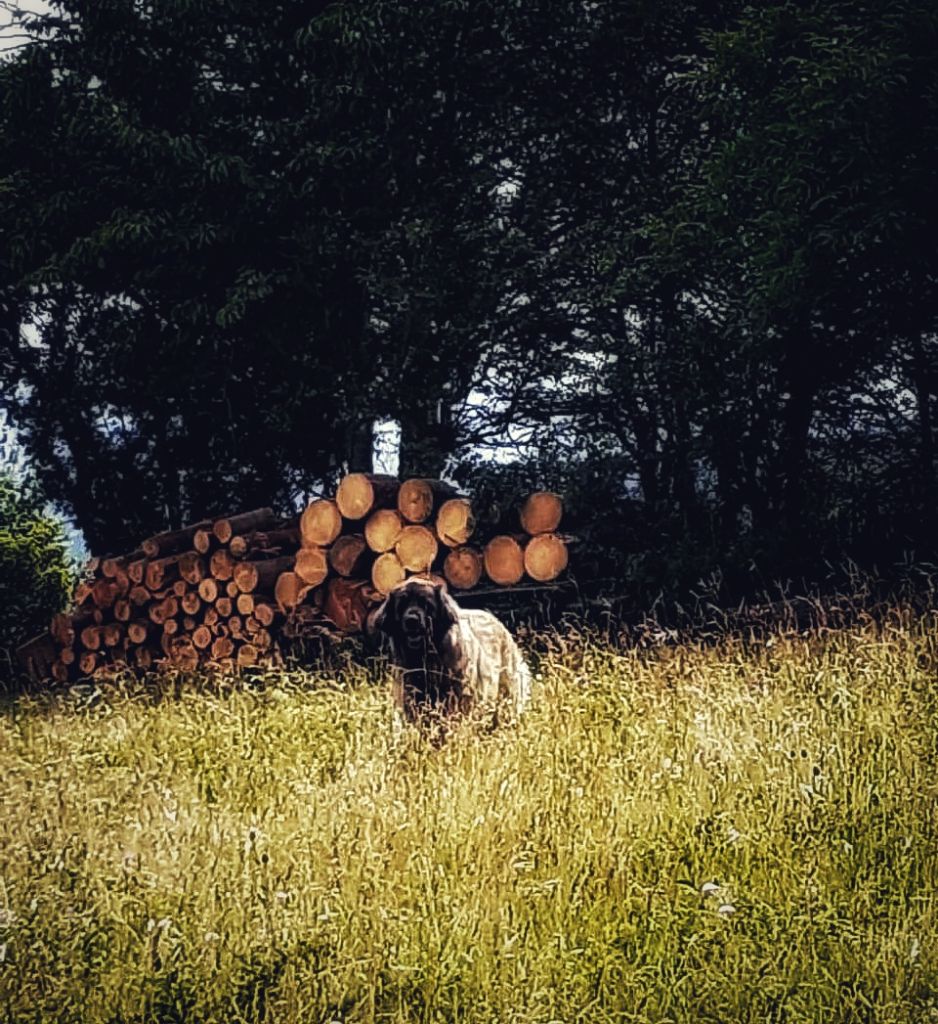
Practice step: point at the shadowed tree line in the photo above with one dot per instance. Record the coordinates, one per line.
(675, 258)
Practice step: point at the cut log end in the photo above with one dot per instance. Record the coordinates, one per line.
(541, 512)
(545, 557)
(359, 493)
(387, 572)
(455, 522)
(383, 529)
(289, 591)
(463, 568)
(417, 548)
(320, 523)
(504, 561)
(311, 565)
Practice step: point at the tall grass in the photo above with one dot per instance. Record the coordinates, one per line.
(687, 833)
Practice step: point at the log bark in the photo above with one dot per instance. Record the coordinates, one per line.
(261, 577)
(311, 565)
(455, 522)
(541, 512)
(463, 567)
(258, 519)
(383, 529)
(417, 498)
(417, 548)
(172, 541)
(320, 523)
(360, 493)
(351, 556)
(545, 557)
(504, 560)
(348, 602)
(387, 572)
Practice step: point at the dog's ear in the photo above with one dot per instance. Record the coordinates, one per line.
(384, 617)
(447, 611)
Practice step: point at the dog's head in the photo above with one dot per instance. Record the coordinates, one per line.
(417, 614)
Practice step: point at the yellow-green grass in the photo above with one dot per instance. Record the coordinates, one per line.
(688, 833)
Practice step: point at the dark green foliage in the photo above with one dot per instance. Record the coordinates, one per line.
(36, 576)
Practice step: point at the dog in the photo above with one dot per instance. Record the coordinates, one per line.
(450, 661)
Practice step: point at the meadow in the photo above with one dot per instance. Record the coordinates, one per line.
(706, 832)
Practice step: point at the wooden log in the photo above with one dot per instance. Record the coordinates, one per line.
(262, 640)
(91, 637)
(179, 588)
(83, 592)
(220, 629)
(284, 537)
(417, 548)
(387, 572)
(114, 565)
(138, 631)
(160, 611)
(541, 512)
(545, 557)
(463, 567)
(221, 564)
(170, 627)
(417, 498)
(360, 493)
(264, 613)
(143, 658)
(202, 637)
(104, 593)
(113, 633)
(122, 609)
(89, 662)
(223, 607)
(251, 625)
(455, 522)
(222, 648)
(258, 519)
(139, 596)
(208, 590)
(289, 591)
(383, 529)
(203, 541)
(320, 523)
(37, 655)
(211, 616)
(236, 627)
(261, 577)
(183, 654)
(172, 541)
(247, 655)
(191, 602)
(161, 572)
(62, 629)
(311, 565)
(188, 623)
(67, 656)
(137, 569)
(348, 602)
(192, 568)
(59, 671)
(504, 560)
(245, 604)
(351, 556)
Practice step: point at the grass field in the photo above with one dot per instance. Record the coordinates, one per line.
(725, 833)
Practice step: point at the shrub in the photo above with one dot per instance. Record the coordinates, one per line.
(36, 574)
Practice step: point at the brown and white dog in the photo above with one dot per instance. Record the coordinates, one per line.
(450, 660)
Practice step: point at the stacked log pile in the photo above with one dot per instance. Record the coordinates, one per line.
(225, 591)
